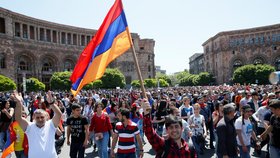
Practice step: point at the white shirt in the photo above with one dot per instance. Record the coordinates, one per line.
(259, 115)
(41, 141)
(246, 130)
(198, 121)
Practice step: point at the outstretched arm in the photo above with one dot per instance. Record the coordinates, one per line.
(18, 110)
(54, 107)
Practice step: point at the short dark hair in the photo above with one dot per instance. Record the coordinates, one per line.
(274, 103)
(75, 106)
(172, 120)
(125, 112)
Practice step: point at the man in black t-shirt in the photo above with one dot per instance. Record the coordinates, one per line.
(274, 128)
(77, 127)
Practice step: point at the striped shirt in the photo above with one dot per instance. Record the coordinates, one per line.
(126, 137)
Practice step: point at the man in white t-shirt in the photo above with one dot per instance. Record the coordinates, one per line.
(244, 130)
(40, 133)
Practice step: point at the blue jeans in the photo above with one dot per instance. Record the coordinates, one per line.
(102, 145)
(243, 154)
(20, 154)
(274, 152)
(197, 145)
(2, 143)
(130, 155)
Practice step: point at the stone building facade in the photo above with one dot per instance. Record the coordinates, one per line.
(32, 47)
(228, 50)
(196, 63)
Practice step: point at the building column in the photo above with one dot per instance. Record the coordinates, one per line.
(51, 35)
(28, 31)
(45, 35)
(21, 30)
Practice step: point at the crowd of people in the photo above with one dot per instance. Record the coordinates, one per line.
(175, 121)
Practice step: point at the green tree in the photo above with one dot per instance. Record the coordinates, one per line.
(163, 83)
(251, 73)
(186, 81)
(149, 83)
(88, 86)
(165, 77)
(205, 79)
(6, 84)
(263, 72)
(113, 78)
(33, 84)
(97, 84)
(61, 81)
(136, 83)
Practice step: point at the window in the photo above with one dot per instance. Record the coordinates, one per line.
(48, 35)
(2, 25)
(54, 37)
(24, 31)
(258, 61)
(142, 48)
(149, 68)
(17, 29)
(63, 38)
(83, 40)
(277, 63)
(2, 61)
(236, 64)
(23, 65)
(47, 66)
(149, 57)
(88, 39)
(68, 65)
(69, 38)
(32, 32)
(42, 34)
(75, 39)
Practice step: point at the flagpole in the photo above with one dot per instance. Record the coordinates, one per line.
(137, 66)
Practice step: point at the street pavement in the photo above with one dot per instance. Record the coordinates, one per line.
(149, 152)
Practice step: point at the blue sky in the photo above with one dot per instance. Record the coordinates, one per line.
(179, 27)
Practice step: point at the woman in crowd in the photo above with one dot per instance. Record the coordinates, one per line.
(198, 127)
(101, 126)
(159, 118)
(6, 118)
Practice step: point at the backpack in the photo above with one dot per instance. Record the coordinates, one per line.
(167, 145)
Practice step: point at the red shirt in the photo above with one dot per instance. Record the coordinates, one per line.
(100, 123)
(158, 142)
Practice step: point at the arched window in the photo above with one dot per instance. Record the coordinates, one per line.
(24, 63)
(2, 61)
(258, 61)
(237, 63)
(277, 64)
(68, 65)
(47, 66)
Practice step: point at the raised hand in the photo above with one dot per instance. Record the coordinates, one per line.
(50, 98)
(146, 106)
(16, 97)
